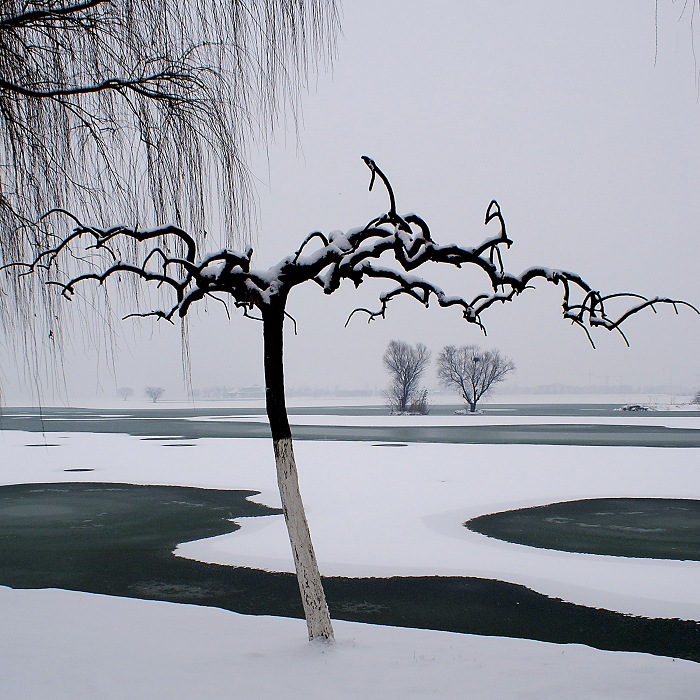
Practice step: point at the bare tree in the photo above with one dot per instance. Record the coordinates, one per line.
(406, 365)
(362, 253)
(125, 392)
(154, 392)
(472, 371)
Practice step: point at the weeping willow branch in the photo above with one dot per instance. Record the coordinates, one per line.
(95, 93)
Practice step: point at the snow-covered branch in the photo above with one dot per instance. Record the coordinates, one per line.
(328, 261)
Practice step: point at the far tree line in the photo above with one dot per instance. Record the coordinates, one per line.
(467, 369)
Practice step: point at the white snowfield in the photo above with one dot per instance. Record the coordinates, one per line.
(373, 511)
(60, 645)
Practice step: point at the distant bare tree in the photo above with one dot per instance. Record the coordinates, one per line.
(472, 371)
(389, 248)
(125, 392)
(406, 365)
(154, 392)
(697, 398)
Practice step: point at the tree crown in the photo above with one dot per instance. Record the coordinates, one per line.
(153, 256)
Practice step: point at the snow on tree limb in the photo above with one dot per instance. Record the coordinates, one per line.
(174, 260)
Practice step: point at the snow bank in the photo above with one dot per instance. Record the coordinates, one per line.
(76, 646)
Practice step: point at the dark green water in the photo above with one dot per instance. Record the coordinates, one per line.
(177, 423)
(117, 539)
(626, 527)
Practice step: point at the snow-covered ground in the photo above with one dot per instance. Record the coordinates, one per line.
(59, 645)
(373, 511)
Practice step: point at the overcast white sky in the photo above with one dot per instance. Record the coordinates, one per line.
(583, 126)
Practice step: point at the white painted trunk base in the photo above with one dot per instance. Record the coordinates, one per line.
(318, 620)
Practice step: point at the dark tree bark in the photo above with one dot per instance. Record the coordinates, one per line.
(273, 348)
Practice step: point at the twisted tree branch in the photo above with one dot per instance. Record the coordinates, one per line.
(353, 256)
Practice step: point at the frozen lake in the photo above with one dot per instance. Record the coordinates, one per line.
(532, 424)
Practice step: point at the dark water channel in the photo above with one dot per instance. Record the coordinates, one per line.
(117, 539)
(628, 431)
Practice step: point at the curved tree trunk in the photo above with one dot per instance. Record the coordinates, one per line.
(313, 599)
